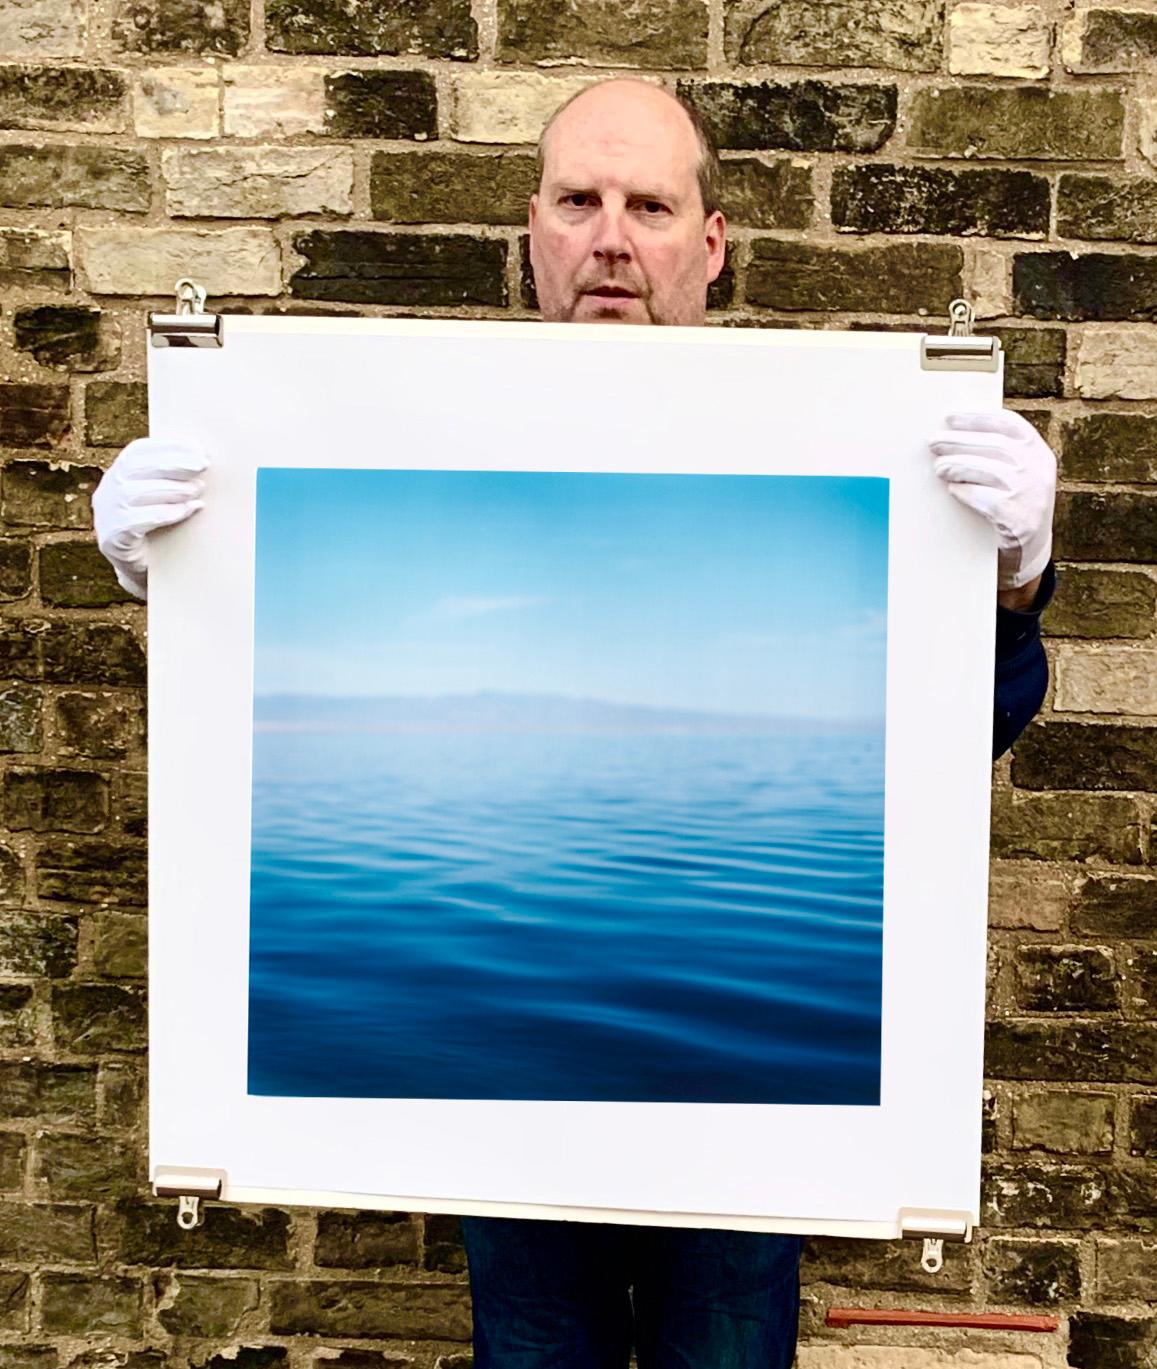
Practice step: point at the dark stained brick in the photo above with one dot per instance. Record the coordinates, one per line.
(1104, 1342)
(44, 494)
(1123, 208)
(229, 1238)
(68, 337)
(898, 278)
(450, 187)
(1039, 1273)
(91, 871)
(92, 653)
(52, 1233)
(1097, 285)
(1099, 603)
(86, 1167)
(48, 97)
(81, 1304)
(34, 258)
(76, 575)
(1063, 755)
(1077, 979)
(45, 800)
(410, 1311)
(1121, 526)
(809, 116)
(1100, 1052)
(1034, 361)
(17, 1017)
(902, 34)
(115, 412)
(852, 1263)
(877, 198)
(1116, 906)
(758, 194)
(98, 1017)
(33, 415)
(15, 583)
(1143, 1126)
(36, 943)
(1019, 123)
(1115, 39)
(661, 34)
(381, 104)
(88, 176)
(427, 28)
(193, 1306)
(1121, 447)
(365, 1240)
(52, 1094)
(100, 724)
(201, 26)
(411, 269)
(1068, 1197)
(443, 1249)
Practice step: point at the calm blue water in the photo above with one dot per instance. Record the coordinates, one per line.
(652, 918)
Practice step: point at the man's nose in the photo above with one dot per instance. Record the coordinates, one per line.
(612, 244)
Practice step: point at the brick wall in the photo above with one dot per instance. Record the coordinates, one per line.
(881, 157)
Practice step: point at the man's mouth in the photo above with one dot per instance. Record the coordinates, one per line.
(611, 292)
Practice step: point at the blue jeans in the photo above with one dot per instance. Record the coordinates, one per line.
(577, 1295)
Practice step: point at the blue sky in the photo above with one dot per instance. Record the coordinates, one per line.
(739, 594)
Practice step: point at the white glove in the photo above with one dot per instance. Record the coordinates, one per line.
(151, 484)
(999, 465)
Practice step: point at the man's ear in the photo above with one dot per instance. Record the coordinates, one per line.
(532, 210)
(716, 236)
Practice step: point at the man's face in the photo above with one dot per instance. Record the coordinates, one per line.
(617, 230)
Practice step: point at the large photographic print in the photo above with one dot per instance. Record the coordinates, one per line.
(568, 786)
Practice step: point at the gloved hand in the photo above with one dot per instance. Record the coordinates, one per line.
(151, 484)
(999, 465)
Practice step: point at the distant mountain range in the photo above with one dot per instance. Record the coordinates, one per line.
(492, 711)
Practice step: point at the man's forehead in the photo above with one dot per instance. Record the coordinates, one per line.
(617, 125)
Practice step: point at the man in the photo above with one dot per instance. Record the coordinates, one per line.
(625, 228)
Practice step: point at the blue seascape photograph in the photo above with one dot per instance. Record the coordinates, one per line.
(568, 786)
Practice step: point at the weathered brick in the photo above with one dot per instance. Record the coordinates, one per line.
(98, 1017)
(176, 102)
(146, 261)
(1108, 40)
(56, 1233)
(1143, 1126)
(204, 26)
(1140, 990)
(260, 102)
(130, 808)
(385, 268)
(412, 1311)
(1147, 129)
(1121, 526)
(12, 879)
(36, 258)
(427, 28)
(1100, 1052)
(102, 1358)
(1059, 755)
(229, 1238)
(43, 28)
(898, 278)
(366, 1359)
(1103, 603)
(759, 194)
(365, 1240)
(381, 104)
(257, 182)
(878, 198)
(37, 944)
(1034, 361)
(43, 800)
(1116, 363)
(1022, 123)
(13, 1152)
(998, 40)
(1110, 680)
(1111, 207)
(854, 1263)
(1097, 1342)
(244, 1357)
(68, 99)
(15, 1301)
(102, 725)
(42, 494)
(1121, 447)
(1066, 1197)
(91, 871)
(442, 1247)
(1065, 979)
(449, 187)
(508, 106)
(84, 1305)
(82, 653)
(15, 583)
(32, 416)
(1026, 899)
(1041, 1273)
(121, 1094)
(190, 1305)
(806, 116)
(17, 1016)
(120, 945)
(115, 412)
(1126, 1270)
(76, 575)
(86, 1167)
(84, 177)
(50, 1094)
(1116, 906)
(1067, 1123)
(1097, 285)
(647, 33)
(904, 34)
(68, 337)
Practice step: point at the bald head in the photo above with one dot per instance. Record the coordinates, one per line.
(630, 99)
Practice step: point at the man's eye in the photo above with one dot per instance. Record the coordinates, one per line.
(653, 206)
(578, 200)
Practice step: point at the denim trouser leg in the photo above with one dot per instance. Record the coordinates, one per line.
(556, 1295)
